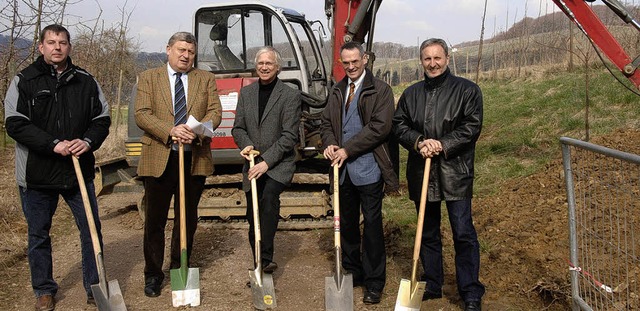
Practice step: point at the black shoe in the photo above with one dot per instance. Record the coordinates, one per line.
(270, 267)
(472, 306)
(371, 297)
(91, 301)
(431, 295)
(152, 286)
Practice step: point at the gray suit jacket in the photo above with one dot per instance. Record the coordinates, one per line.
(275, 135)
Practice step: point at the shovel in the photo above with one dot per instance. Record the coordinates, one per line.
(411, 291)
(108, 296)
(263, 291)
(338, 289)
(185, 281)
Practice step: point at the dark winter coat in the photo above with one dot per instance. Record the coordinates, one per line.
(448, 109)
(375, 106)
(42, 109)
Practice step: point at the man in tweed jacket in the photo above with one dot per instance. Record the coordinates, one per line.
(154, 113)
(267, 118)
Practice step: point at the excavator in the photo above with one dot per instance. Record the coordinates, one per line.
(228, 36)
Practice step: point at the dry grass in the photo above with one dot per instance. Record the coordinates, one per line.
(13, 229)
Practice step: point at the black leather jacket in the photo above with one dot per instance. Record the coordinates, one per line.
(449, 109)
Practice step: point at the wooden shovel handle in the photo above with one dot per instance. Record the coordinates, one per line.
(256, 216)
(421, 211)
(87, 208)
(183, 208)
(336, 206)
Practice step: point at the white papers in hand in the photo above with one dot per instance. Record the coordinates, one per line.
(205, 129)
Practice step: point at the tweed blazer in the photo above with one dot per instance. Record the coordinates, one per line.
(275, 135)
(154, 115)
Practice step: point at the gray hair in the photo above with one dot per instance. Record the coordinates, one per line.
(433, 41)
(267, 49)
(182, 36)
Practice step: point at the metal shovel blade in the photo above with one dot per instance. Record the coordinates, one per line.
(185, 286)
(338, 293)
(263, 291)
(410, 297)
(108, 298)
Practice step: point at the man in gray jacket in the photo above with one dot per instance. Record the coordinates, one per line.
(441, 117)
(267, 118)
(355, 126)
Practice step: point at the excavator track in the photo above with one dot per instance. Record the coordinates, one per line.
(304, 205)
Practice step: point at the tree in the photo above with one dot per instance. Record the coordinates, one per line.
(484, 15)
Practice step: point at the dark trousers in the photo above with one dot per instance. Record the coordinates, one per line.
(465, 241)
(39, 206)
(269, 192)
(158, 192)
(368, 266)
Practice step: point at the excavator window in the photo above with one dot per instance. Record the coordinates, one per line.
(229, 38)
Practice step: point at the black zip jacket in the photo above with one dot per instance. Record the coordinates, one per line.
(446, 108)
(42, 109)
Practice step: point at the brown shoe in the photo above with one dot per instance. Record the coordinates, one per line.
(45, 303)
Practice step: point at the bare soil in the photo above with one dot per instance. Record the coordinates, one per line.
(522, 228)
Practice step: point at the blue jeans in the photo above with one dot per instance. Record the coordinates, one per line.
(465, 241)
(39, 206)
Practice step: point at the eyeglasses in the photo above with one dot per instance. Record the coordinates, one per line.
(266, 64)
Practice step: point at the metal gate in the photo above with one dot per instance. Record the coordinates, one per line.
(603, 196)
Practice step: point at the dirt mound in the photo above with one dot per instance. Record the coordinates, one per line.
(524, 232)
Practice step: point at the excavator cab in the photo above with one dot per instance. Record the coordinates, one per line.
(230, 35)
(228, 38)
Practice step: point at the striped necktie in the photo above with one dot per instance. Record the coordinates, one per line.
(352, 88)
(180, 106)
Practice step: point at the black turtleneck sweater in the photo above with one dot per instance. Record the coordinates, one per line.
(433, 83)
(264, 92)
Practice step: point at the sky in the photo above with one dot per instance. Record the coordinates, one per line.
(407, 22)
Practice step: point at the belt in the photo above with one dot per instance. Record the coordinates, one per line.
(186, 147)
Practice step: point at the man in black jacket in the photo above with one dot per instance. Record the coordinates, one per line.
(55, 110)
(441, 117)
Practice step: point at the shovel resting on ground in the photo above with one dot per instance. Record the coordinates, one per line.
(263, 291)
(108, 296)
(185, 281)
(338, 289)
(411, 291)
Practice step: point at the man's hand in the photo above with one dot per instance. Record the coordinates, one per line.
(183, 134)
(62, 148)
(245, 152)
(78, 147)
(336, 154)
(430, 148)
(258, 170)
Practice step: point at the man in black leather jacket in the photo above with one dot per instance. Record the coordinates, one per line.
(441, 117)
